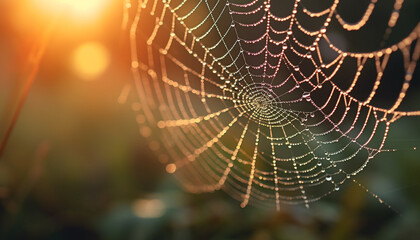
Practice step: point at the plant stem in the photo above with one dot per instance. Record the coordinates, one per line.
(36, 57)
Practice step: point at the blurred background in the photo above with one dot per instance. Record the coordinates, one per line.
(76, 167)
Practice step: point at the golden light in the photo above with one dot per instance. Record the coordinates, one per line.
(90, 60)
(77, 9)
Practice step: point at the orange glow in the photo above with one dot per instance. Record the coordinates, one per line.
(90, 60)
(77, 9)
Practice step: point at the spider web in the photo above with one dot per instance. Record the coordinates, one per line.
(255, 97)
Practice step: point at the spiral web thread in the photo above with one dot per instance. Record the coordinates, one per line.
(244, 99)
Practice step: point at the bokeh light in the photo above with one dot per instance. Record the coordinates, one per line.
(90, 60)
(149, 208)
(171, 168)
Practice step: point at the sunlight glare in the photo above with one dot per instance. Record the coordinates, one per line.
(77, 9)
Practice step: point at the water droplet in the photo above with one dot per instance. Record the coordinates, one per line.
(328, 178)
(306, 94)
(408, 76)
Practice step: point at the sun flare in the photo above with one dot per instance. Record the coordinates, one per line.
(76, 9)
